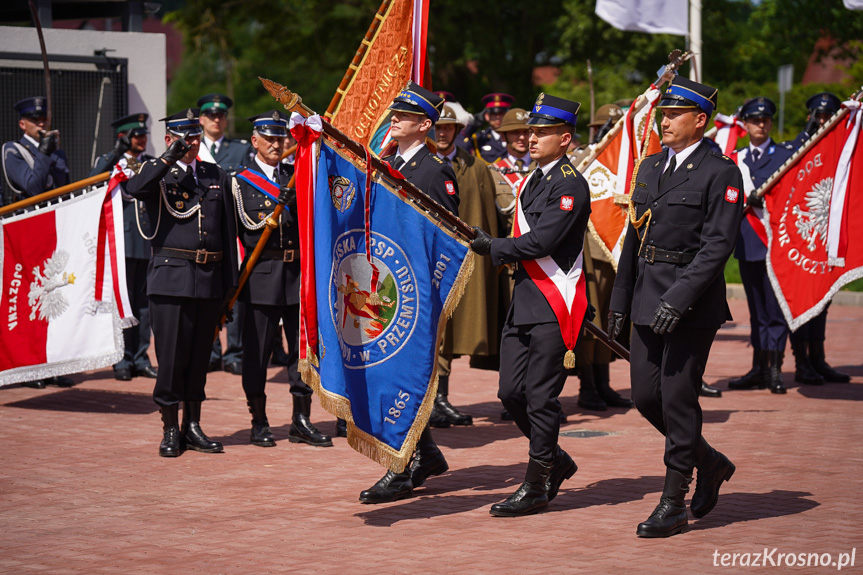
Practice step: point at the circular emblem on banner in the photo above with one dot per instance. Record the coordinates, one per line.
(343, 192)
(373, 305)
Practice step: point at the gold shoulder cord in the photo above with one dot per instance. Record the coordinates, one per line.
(637, 223)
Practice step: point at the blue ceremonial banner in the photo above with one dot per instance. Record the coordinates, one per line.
(384, 285)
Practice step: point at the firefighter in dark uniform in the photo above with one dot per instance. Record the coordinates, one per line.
(414, 113)
(685, 210)
(807, 342)
(273, 289)
(768, 329)
(33, 165)
(230, 155)
(488, 143)
(127, 155)
(192, 269)
(555, 201)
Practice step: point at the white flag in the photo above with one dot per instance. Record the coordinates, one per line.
(651, 16)
(853, 4)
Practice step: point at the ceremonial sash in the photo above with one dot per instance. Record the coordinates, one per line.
(512, 178)
(261, 183)
(753, 215)
(564, 291)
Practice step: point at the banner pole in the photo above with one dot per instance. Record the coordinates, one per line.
(51, 194)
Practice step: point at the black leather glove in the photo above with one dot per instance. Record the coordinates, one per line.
(176, 151)
(288, 197)
(616, 323)
(665, 319)
(229, 314)
(48, 142)
(121, 146)
(590, 314)
(482, 244)
(754, 200)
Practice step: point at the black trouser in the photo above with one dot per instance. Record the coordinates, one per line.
(234, 330)
(260, 333)
(666, 372)
(183, 330)
(813, 330)
(768, 329)
(531, 379)
(136, 339)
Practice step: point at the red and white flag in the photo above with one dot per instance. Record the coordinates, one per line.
(64, 300)
(728, 131)
(809, 214)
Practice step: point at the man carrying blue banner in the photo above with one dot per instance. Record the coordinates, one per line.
(548, 302)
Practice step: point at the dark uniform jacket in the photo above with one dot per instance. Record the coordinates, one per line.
(698, 212)
(749, 245)
(558, 211)
(273, 281)
(137, 248)
(487, 146)
(48, 172)
(433, 176)
(233, 154)
(212, 228)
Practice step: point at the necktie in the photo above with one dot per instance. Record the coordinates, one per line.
(519, 163)
(756, 154)
(532, 185)
(398, 163)
(668, 171)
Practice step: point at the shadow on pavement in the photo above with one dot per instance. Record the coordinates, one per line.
(846, 391)
(740, 507)
(77, 399)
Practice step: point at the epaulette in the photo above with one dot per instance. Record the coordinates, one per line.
(437, 158)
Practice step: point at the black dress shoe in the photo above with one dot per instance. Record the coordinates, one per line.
(59, 381)
(170, 446)
(35, 384)
(235, 367)
(391, 487)
(531, 496)
(341, 427)
(562, 468)
(147, 371)
(707, 483)
(304, 431)
(123, 374)
(708, 391)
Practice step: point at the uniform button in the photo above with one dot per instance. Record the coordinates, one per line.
(205, 233)
(290, 243)
(683, 199)
(655, 204)
(203, 216)
(650, 241)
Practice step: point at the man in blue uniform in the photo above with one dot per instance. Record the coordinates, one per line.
(414, 113)
(768, 329)
(127, 155)
(192, 269)
(552, 214)
(230, 155)
(273, 289)
(685, 210)
(807, 342)
(488, 143)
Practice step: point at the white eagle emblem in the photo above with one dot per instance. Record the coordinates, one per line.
(44, 296)
(812, 223)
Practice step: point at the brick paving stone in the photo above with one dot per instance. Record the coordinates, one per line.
(82, 489)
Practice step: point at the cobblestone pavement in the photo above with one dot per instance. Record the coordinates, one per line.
(82, 489)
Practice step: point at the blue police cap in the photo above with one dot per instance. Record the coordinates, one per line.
(214, 103)
(414, 99)
(823, 103)
(553, 111)
(185, 122)
(35, 107)
(133, 124)
(272, 123)
(757, 108)
(684, 93)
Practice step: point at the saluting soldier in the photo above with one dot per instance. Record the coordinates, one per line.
(192, 269)
(685, 210)
(488, 143)
(128, 153)
(808, 341)
(273, 289)
(553, 211)
(768, 329)
(414, 113)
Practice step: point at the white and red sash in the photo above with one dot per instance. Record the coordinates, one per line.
(512, 178)
(564, 291)
(752, 214)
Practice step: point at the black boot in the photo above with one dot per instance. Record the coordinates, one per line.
(588, 397)
(261, 434)
(562, 468)
(531, 496)
(774, 371)
(602, 381)
(341, 427)
(302, 429)
(170, 446)
(817, 357)
(669, 517)
(437, 418)
(713, 469)
(803, 371)
(755, 377)
(427, 460)
(445, 408)
(391, 487)
(191, 434)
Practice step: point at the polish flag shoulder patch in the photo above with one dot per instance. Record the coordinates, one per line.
(450, 188)
(731, 195)
(566, 203)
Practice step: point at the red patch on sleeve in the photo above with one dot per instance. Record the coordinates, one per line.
(450, 188)
(731, 195)
(566, 203)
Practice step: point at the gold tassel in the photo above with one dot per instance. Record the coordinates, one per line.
(569, 359)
